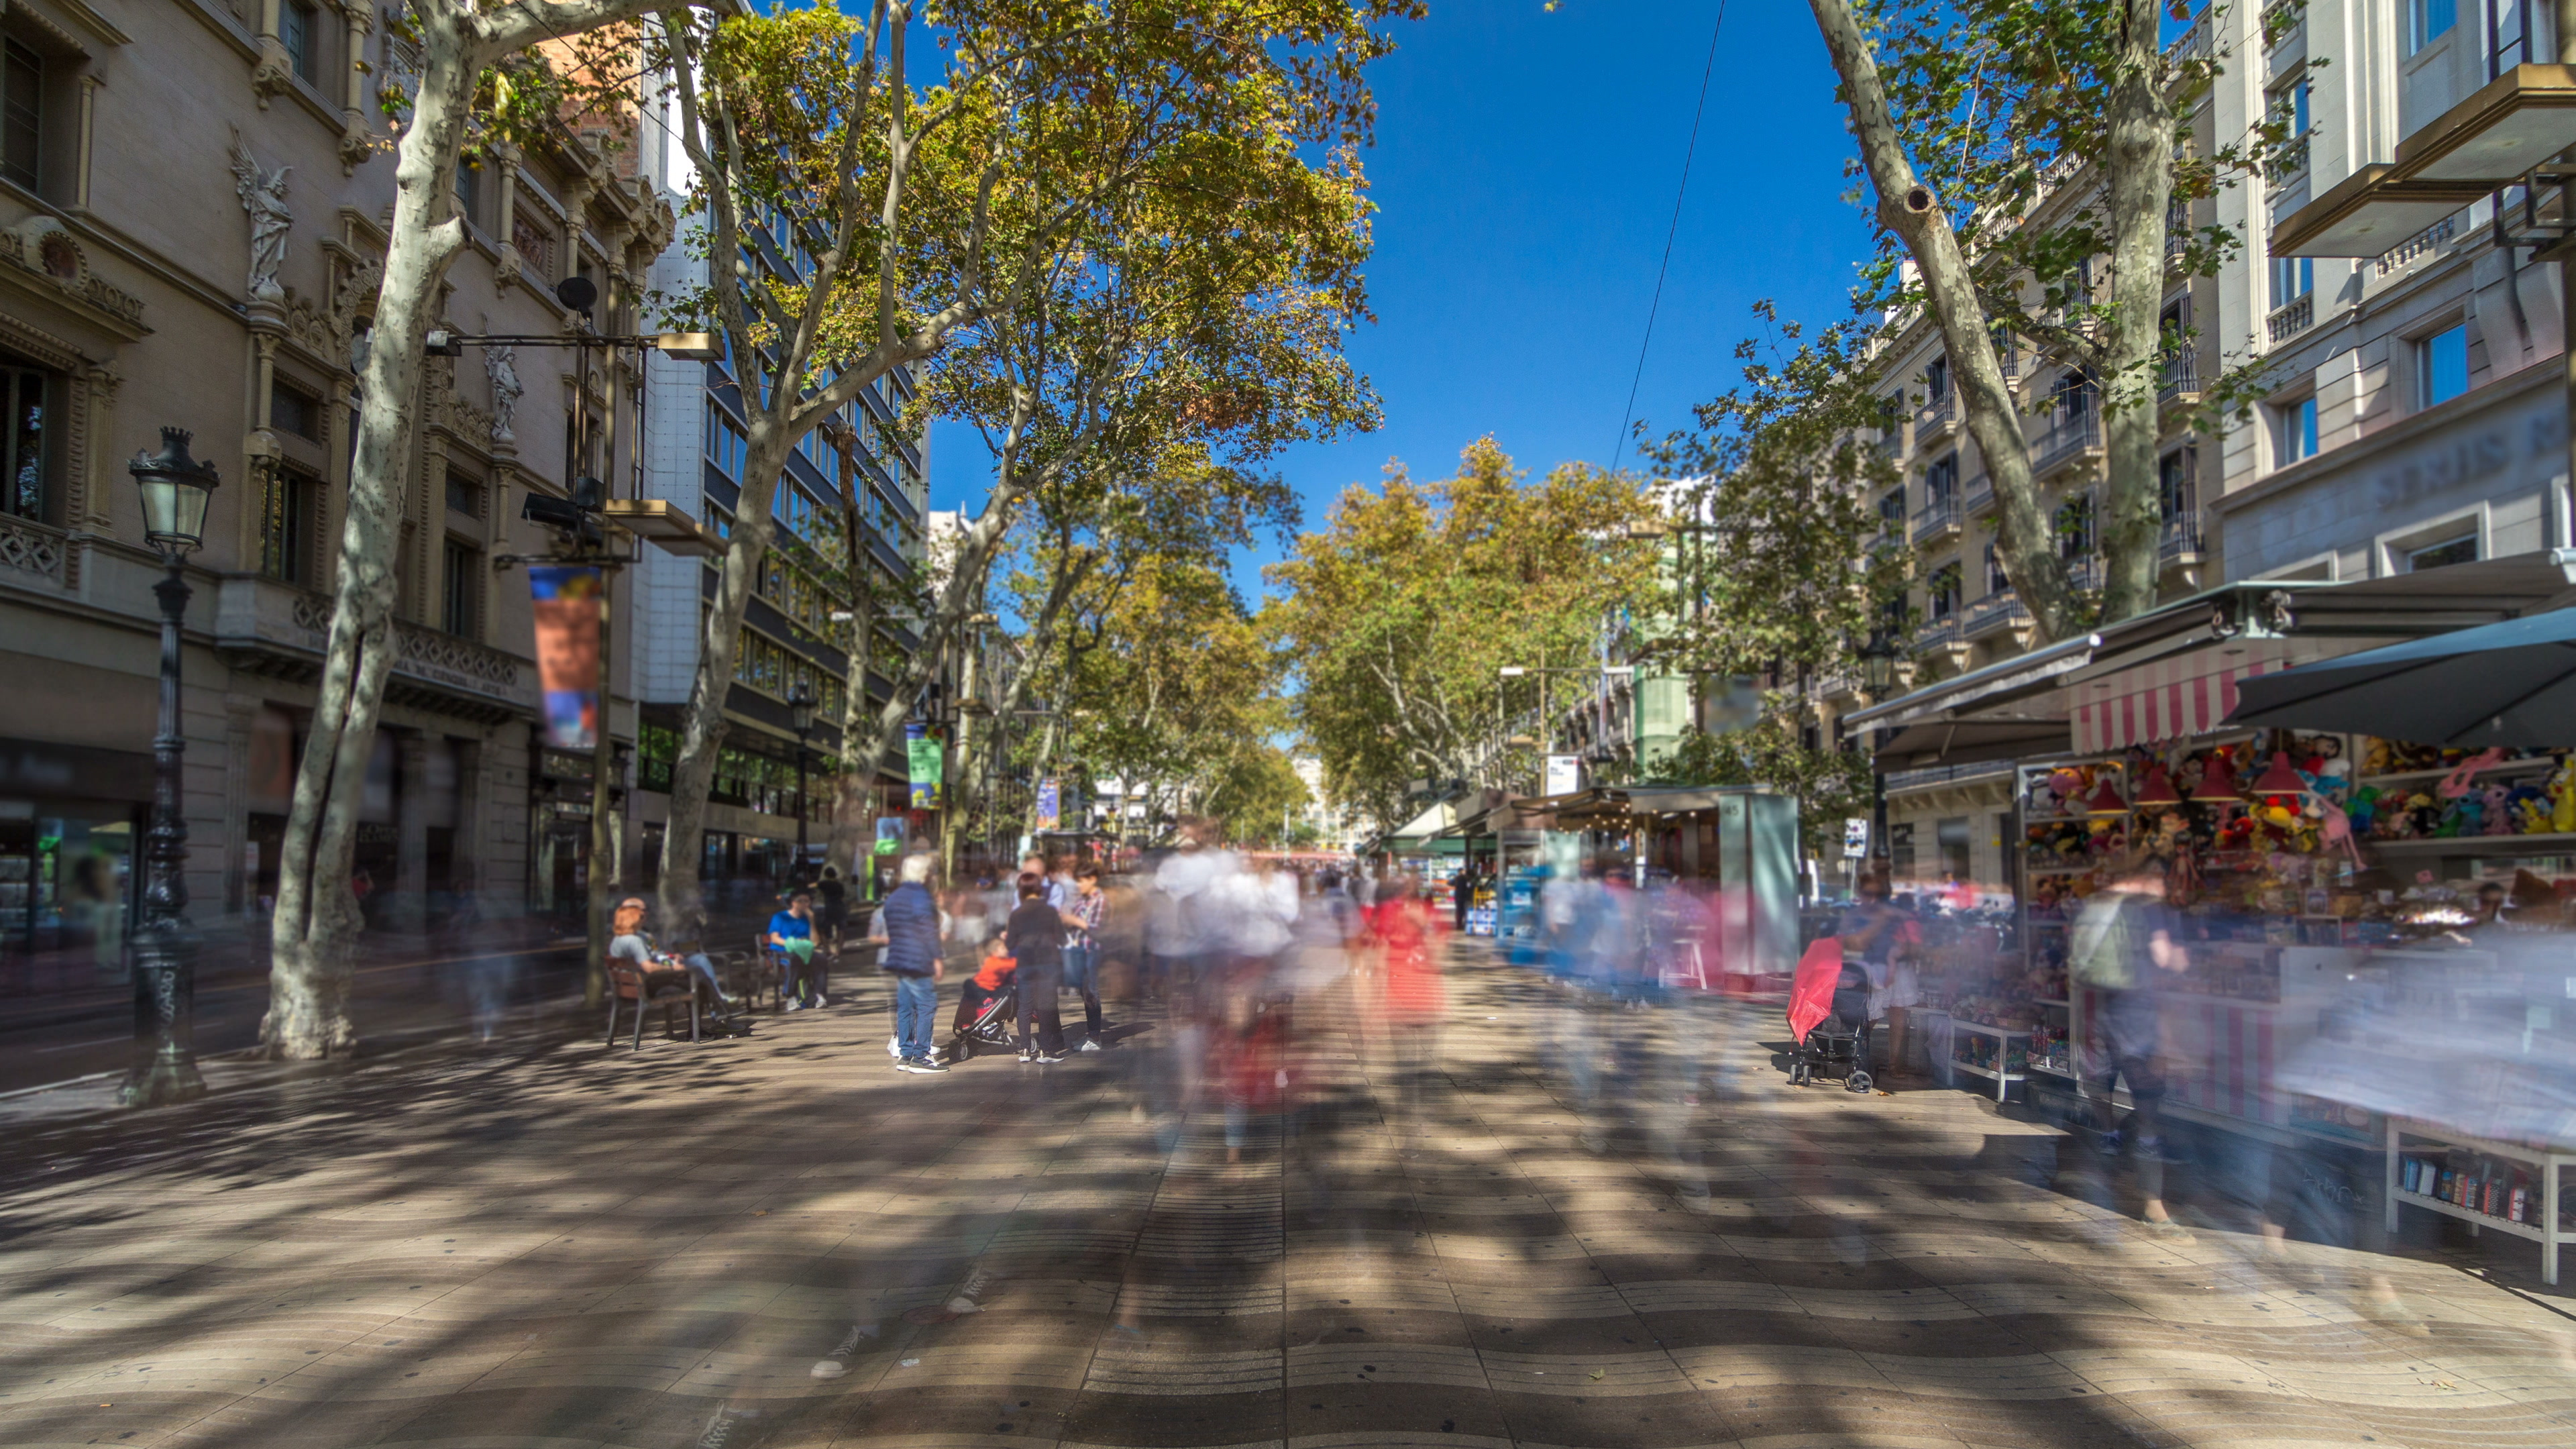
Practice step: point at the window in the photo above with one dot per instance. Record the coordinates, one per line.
(727, 448)
(465, 496)
(1996, 579)
(2294, 427)
(1941, 482)
(461, 578)
(2174, 492)
(22, 114)
(1936, 381)
(299, 31)
(1891, 511)
(2290, 103)
(795, 509)
(23, 483)
(2429, 21)
(2075, 527)
(295, 411)
(2292, 278)
(1942, 591)
(468, 174)
(2463, 549)
(2508, 36)
(2442, 366)
(285, 526)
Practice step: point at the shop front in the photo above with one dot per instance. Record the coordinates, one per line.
(70, 818)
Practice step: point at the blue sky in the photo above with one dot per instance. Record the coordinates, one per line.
(1524, 173)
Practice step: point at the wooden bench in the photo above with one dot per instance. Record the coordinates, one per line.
(665, 989)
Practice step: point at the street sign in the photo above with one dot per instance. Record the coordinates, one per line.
(1855, 839)
(1564, 774)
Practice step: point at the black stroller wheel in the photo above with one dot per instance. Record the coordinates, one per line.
(1860, 1081)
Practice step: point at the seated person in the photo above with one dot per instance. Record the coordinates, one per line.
(791, 935)
(629, 941)
(991, 980)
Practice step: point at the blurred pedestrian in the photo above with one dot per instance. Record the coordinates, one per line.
(1083, 915)
(1035, 938)
(2125, 939)
(791, 935)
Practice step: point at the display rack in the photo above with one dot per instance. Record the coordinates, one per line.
(2001, 1073)
(2548, 1167)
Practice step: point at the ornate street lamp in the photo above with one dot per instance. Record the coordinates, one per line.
(1878, 660)
(800, 715)
(176, 489)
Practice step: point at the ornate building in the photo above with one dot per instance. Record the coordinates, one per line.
(192, 207)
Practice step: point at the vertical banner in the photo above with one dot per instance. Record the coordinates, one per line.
(567, 610)
(1564, 774)
(921, 755)
(1050, 805)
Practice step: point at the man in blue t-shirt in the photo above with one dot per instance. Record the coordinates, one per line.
(791, 934)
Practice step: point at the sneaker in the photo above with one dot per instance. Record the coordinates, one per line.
(1026, 1058)
(894, 1047)
(792, 1006)
(1047, 1059)
(1090, 1046)
(922, 1064)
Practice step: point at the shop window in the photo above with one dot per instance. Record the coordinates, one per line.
(2463, 549)
(461, 579)
(2442, 366)
(25, 472)
(286, 526)
(2429, 21)
(2294, 431)
(299, 29)
(293, 410)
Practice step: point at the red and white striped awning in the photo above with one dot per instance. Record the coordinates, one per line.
(2179, 696)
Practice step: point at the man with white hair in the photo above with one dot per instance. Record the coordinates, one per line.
(908, 929)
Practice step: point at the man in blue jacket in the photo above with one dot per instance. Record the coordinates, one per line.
(908, 930)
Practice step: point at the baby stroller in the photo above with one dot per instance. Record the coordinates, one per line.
(1829, 1017)
(988, 1024)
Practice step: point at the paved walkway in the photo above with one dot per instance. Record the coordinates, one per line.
(764, 1242)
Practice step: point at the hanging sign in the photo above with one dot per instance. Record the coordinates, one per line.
(567, 601)
(1564, 774)
(922, 755)
(1050, 804)
(1855, 839)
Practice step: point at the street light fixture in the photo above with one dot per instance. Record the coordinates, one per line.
(1878, 661)
(800, 714)
(176, 489)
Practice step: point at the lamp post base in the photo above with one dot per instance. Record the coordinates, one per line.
(159, 1080)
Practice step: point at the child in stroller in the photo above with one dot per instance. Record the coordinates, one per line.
(987, 1006)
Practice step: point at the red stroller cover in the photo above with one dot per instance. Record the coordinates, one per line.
(1811, 991)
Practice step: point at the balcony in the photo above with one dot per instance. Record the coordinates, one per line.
(2084, 572)
(1936, 521)
(1980, 496)
(2289, 321)
(1936, 417)
(267, 627)
(2180, 382)
(30, 551)
(2286, 168)
(1999, 610)
(2420, 244)
(2066, 438)
(2179, 540)
(1938, 633)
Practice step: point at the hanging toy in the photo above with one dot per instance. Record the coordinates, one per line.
(2562, 797)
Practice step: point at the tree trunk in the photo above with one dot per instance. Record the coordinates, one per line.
(2024, 534)
(2140, 162)
(316, 924)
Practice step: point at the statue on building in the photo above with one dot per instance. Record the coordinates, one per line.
(501, 364)
(263, 195)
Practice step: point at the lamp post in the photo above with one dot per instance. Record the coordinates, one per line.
(800, 713)
(1878, 660)
(176, 489)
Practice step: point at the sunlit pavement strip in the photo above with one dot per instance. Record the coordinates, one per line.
(777, 1242)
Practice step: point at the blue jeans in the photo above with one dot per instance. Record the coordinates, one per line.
(1082, 973)
(916, 1007)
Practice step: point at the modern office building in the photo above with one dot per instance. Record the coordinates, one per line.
(694, 458)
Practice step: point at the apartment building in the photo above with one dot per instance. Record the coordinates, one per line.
(193, 198)
(2416, 416)
(792, 646)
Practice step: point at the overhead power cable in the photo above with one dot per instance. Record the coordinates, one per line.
(1629, 414)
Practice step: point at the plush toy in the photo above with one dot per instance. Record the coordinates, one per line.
(2465, 816)
(2499, 819)
(2423, 815)
(2363, 809)
(2562, 797)
(2376, 757)
(2530, 810)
